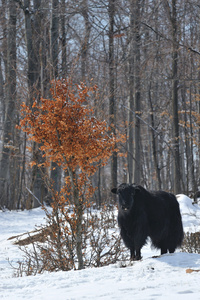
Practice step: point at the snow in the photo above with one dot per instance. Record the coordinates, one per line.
(190, 213)
(163, 277)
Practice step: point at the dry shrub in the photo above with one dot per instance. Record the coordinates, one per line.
(101, 242)
(191, 242)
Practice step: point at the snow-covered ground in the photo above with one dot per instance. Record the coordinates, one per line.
(152, 278)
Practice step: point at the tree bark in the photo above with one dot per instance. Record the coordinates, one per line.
(32, 29)
(79, 217)
(55, 169)
(33, 23)
(54, 37)
(9, 164)
(135, 36)
(131, 100)
(63, 41)
(191, 164)
(2, 102)
(153, 140)
(112, 100)
(177, 174)
(84, 47)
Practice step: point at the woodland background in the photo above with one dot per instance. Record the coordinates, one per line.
(143, 55)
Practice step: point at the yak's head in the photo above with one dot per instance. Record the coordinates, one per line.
(126, 193)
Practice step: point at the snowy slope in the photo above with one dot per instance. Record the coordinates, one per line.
(152, 278)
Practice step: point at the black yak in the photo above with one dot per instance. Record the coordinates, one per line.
(143, 214)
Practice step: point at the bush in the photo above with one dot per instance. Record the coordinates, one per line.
(191, 242)
(69, 134)
(56, 249)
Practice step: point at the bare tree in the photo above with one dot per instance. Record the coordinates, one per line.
(131, 98)
(54, 37)
(134, 94)
(172, 13)
(9, 164)
(85, 42)
(55, 169)
(112, 99)
(63, 38)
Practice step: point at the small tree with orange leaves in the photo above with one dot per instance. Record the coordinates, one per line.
(70, 135)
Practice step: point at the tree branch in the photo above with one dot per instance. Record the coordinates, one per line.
(168, 39)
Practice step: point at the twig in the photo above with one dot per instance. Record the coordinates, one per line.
(158, 133)
(34, 196)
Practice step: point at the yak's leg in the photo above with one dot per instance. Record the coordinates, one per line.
(138, 254)
(163, 250)
(171, 250)
(132, 251)
(135, 254)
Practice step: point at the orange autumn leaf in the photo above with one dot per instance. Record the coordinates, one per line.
(68, 131)
(32, 163)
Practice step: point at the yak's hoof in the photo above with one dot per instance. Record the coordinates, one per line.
(136, 258)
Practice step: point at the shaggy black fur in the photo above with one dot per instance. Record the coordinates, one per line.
(154, 214)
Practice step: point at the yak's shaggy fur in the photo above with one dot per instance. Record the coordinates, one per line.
(145, 214)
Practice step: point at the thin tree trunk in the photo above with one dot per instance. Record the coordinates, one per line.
(131, 100)
(54, 37)
(186, 142)
(79, 217)
(33, 75)
(33, 42)
(172, 14)
(9, 165)
(177, 175)
(4, 57)
(193, 181)
(31, 80)
(63, 36)
(55, 169)
(135, 12)
(112, 100)
(153, 139)
(2, 103)
(84, 47)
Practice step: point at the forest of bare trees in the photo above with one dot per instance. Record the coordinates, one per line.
(144, 56)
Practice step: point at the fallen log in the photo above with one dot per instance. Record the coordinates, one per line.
(191, 271)
(38, 235)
